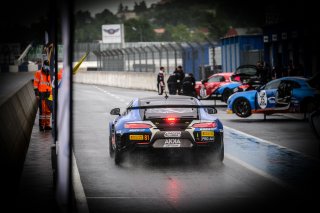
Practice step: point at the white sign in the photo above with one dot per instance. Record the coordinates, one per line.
(112, 33)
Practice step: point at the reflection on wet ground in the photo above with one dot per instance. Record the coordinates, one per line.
(287, 165)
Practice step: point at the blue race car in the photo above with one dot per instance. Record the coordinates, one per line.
(287, 94)
(225, 91)
(163, 123)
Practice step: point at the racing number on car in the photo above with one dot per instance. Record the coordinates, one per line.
(262, 99)
(203, 92)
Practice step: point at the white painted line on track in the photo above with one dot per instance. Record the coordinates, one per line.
(110, 94)
(269, 142)
(80, 197)
(259, 172)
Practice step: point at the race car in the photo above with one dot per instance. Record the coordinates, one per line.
(164, 123)
(225, 91)
(205, 89)
(285, 95)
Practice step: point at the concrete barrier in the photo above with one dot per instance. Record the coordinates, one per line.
(17, 115)
(132, 80)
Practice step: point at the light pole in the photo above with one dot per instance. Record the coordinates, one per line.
(140, 32)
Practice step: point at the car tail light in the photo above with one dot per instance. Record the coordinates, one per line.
(137, 125)
(205, 125)
(171, 119)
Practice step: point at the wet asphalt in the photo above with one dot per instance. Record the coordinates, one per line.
(269, 165)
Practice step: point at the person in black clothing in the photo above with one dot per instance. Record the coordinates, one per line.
(172, 84)
(188, 85)
(160, 81)
(179, 76)
(262, 72)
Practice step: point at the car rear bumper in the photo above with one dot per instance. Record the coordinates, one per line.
(170, 143)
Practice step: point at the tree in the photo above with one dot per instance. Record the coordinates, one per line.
(139, 8)
(179, 33)
(120, 8)
(138, 30)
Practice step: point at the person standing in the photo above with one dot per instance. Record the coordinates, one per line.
(179, 73)
(188, 85)
(160, 81)
(42, 88)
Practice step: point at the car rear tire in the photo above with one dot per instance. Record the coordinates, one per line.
(242, 108)
(111, 151)
(118, 157)
(226, 94)
(220, 153)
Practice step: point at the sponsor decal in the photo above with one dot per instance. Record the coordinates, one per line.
(172, 143)
(111, 31)
(207, 138)
(136, 137)
(206, 129)
(207, 133)
(172, 134)
(262, 99)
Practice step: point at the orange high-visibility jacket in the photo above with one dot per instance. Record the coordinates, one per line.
(42, 82)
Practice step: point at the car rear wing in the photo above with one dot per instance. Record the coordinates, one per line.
(172, 106)
(176, 106)
(210, 108)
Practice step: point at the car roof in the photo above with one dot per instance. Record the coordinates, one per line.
(247, 65)
(226, 74)
(162, 100)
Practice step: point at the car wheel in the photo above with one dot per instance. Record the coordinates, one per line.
(220, 153)
(218, 150)
(242, 108)
(308, 106)
(226, 94)
(111, 150)
(117, 156)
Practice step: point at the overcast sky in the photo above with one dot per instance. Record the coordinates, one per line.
(97, 6)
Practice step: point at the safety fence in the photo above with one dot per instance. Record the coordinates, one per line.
(197, 58)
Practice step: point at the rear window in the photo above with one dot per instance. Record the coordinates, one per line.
(246, 71)
(216, 79)
(175, 112)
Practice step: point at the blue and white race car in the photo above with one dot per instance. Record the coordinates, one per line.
(287, 94)
(166, 122)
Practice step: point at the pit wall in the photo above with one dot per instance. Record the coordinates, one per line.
(131, 80)
(17, 116)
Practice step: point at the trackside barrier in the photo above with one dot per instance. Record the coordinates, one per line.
(17, 115)
(131, 80)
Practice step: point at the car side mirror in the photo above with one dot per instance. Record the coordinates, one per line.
(212, 110)
(115, 111)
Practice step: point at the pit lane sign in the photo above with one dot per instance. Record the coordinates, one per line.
(112, 33)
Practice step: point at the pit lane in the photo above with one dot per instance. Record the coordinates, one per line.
(260, 166)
